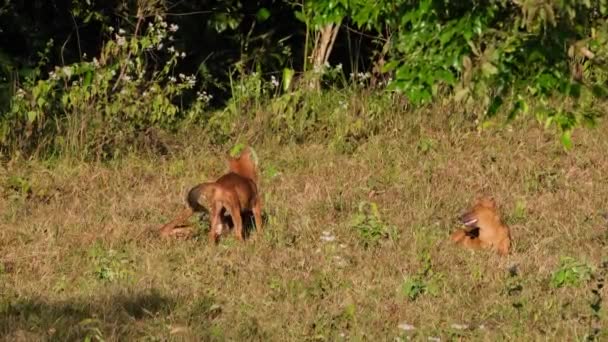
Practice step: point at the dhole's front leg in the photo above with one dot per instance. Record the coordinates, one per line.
(503, 247)
(215, 220)
(460, 237)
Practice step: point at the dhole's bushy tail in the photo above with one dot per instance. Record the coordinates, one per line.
(245, 165)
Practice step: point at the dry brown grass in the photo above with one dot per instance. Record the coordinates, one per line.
(80, 257)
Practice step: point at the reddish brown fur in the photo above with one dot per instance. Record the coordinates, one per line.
(235, 192)
(484, 228)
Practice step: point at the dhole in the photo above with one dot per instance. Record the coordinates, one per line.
(235, 192)
(484, 228)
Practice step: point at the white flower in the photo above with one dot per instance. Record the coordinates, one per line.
(274, 81)
(159, 47)
(20, 93)
(120, 40)
(339, 66)
(173, 28)
(406, 327)
(111, 29)
(340, 262)
(181, 76)
(121, 31)
(190, 79)
(183, 55)
(95, 62)
(327, 237)
(203, 96)
(171, 49)
(67, 71)
(460, 326)
(172, 79)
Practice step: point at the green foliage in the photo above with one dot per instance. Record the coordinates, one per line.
(20, 187)
(110, 265)
(101, 104)
(485, 52)
(369, 225)
(541, 58)
(425, 281)
(570, 273)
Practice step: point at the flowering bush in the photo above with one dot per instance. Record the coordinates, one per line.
(94, 103)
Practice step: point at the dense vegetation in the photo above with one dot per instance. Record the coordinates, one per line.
(90, 78)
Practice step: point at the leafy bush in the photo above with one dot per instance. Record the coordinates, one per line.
(95, 107)
(542, 57)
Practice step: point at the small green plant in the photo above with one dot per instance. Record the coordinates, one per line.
(368, 224)
(570, 273)
(425, 281)
(519, 212)
(110, 265)
(20, 187)
(426, 145)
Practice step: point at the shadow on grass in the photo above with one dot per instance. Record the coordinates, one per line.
(113, 317)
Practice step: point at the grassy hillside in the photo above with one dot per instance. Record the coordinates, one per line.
(79, 254)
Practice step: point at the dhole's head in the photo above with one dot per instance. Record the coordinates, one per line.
(484, 209)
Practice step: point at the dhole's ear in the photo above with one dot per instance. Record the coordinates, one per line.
(486, 201)
(469, 219)
(491, 201)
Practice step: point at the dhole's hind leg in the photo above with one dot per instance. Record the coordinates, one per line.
(257, 213)
(235, 213)
(169, 228)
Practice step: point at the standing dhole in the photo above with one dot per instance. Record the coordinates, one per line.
(234, 192)
(484, 228)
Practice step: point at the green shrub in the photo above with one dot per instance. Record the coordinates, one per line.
(98, 106)
(570, 273)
